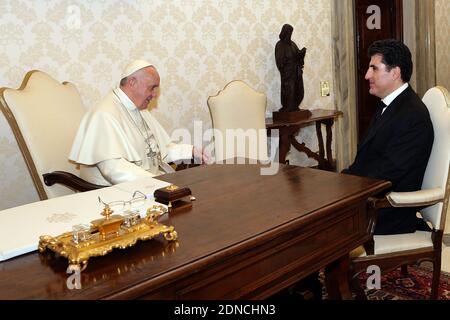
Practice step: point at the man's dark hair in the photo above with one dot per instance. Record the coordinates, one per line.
(394, 54)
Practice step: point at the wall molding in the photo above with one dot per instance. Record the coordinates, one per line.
(425, 58)
(344, 77)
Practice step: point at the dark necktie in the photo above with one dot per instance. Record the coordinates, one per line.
(374, 123)
(378, 113)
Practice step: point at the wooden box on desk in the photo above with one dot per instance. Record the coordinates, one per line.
(174, 197)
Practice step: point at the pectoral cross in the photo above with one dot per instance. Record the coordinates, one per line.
(153, 156)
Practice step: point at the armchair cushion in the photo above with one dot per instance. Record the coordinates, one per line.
(397, 242)
(415, 198)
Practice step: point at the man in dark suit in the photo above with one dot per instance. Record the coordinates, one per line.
(398, 142)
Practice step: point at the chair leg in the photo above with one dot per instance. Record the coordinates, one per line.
(404, 270)
(436, 279)
(357, 289)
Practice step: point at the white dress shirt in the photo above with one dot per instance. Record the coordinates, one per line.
(394, 94)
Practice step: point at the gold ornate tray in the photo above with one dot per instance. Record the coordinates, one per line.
(104, 235)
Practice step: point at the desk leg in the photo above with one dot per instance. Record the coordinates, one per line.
(328, 124)
(337, 279)
(285, 143)
(320, 139)
(325, 163)
(287, 138)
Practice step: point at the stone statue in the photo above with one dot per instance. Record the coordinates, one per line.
(290, 61)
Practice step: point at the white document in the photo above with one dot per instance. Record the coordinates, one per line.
(21, 227)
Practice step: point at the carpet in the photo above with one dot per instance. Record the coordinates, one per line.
(415, 286)
(394, 286)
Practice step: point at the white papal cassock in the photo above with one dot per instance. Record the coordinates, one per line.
(116, 143)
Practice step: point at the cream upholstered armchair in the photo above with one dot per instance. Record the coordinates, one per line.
(391, 251)
(44, 116)
(238, 117)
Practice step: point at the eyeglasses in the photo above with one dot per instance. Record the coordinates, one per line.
(136, 202)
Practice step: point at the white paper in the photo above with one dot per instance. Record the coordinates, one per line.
(21, 227)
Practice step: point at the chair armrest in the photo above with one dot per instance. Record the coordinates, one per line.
(418, 198)
(182, 165)
(373, 204)
(69, 180)
(378, 203)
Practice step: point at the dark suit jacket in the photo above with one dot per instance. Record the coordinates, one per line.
(397, 149)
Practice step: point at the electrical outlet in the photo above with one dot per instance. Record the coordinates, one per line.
(324, 88)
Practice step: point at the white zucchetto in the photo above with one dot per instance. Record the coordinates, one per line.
(134, 66)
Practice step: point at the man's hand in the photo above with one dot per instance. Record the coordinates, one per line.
(201, 154)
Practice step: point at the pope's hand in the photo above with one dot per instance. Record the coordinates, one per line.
(200, 153)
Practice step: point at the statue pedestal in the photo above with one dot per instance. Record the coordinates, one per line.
(291, 116)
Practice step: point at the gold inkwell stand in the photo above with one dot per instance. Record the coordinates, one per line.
(109, 225)
(105, 234)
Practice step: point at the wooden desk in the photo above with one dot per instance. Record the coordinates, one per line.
(247, 236)
(288, 131)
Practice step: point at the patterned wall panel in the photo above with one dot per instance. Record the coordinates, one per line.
(197, 45)
(442, 34)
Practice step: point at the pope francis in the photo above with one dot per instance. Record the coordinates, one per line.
(119, 140)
